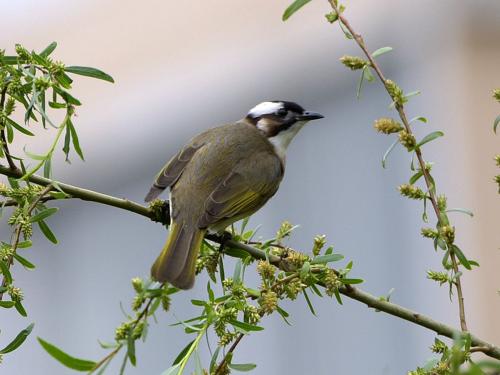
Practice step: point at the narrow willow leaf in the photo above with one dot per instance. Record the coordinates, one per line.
(172, 370)
(413, 93)
(461, 257)
(337, 296)
(213, 361)
(243, 367)
(415, 177)
(495, 124)
(352, 281)
(25, 262)
(304, 270)
(182, 353)
(7, 304)
(389, 150)
(44, 214)
(24, 244)
(47, 232)
(56, 105)
(67, 97)
(67, 141)
(34, 156)
(360, 83)
(20, 309)
(48, 50)
(247, 327)
(89, 72)
(18, 127)
(324, 259)
(381, 51)
(65, 359)
(418, 118)
(368, 74)
(292, 8)
(74, 137)
(131, 349)
(309, 304)
(18, 340)
(42, 103)
(10, 60)
(237, 272)
(47, 167)
(10, 132)
(462, 210)
(284, 314)
(429, 137)
(5, 272)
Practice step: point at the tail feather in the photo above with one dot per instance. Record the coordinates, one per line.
(177, 261)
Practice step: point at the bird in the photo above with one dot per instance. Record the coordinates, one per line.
(220, 176)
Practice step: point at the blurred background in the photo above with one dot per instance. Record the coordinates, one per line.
(181, 67)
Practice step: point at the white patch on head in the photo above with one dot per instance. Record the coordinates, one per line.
(281, 140)
(265, 108)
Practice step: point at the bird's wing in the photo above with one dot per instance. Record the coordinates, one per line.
(247, 188)
(171, 172)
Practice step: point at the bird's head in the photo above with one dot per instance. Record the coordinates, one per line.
(280, 121)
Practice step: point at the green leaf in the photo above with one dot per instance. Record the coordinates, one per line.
(25, 262)
(19, 127)
(182, 354)
(360, 83)
(237, 272)
(5, 272)
(131, 348)
(247, 327)
(389, 150)
(337, 296)
(309, 304)
(237, 253)
(304, 270)
(57, 105)
(284, 314)
(172, 370)
(47, 167)
(415, 177)
(68, 98)
(419, 118)
(7, 304)
(20, 309)
(48, 50)
(74, 137)
(44, 214)
(67, 141)
(213, 361)
(10, 133)
(18, 340)
(324, 259)
(462, 210)
(65, 359)
(10, 60)
(47, 232)
(352, 281)
(495, 124)
(429, 137)
(89, 72)
(243, 367)
(410, 94)
(461, 257)
(292, 8)
(381, 51)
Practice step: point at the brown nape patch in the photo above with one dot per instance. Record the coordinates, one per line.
(269, 125)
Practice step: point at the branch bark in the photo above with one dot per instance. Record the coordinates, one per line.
(428, 181)
(348, 290)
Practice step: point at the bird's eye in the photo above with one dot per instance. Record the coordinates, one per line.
(282, 112)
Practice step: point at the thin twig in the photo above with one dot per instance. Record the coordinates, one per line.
(223, 363)
(17, 233)
(348, 290)
(400, 108)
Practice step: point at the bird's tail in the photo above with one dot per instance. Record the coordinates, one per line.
(177, 261)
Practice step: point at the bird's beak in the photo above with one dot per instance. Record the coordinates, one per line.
(307, 116)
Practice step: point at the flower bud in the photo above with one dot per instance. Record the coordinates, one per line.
(411, 191)
(387, 125)
(353, 62)
(407, 140)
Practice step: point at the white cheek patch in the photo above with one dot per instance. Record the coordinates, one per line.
(281, 140)
(265, 108)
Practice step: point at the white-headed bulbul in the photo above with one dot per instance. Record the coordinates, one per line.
(221, 176)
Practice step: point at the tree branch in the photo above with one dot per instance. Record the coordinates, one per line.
(347, 290)
(428, 181)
